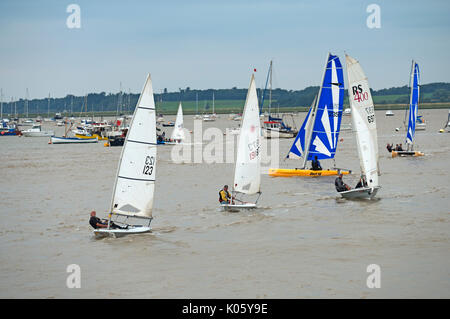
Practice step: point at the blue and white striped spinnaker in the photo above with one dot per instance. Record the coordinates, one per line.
(319, 133)
(413, 104)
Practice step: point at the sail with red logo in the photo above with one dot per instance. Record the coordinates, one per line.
(247, 176)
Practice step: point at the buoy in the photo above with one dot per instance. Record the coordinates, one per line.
(397, 129)
(441, 130)
(106, 144)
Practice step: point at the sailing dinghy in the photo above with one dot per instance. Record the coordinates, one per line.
(178, 130)
(247, 175)
(363, 118)
(132, 199)
(413, 108)
(319, 133)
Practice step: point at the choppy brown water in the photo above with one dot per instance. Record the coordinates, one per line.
(304, 242)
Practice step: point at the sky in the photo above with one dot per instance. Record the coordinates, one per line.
(213, 44)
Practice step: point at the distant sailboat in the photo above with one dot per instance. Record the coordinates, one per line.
(412, 119)
(133, 194)
(197, 116)
(247, 175)
(364, 123)
(275, 127)
(210, 117)
(178, 130)
(319, 133)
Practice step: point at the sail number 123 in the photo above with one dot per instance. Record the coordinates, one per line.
(148, 167)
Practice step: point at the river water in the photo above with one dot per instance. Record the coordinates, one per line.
(303, 241)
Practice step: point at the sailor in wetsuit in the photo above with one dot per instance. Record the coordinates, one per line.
(224, 195)
(316, 164)
(340, 185)
(96, 222)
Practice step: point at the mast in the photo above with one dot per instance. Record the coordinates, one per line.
(313, 118)
(1, 104)
(270, 87)
(411, 83)
(48, 106)
(26, 103)
(196, 102)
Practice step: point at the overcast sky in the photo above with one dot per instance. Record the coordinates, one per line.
(213, 44)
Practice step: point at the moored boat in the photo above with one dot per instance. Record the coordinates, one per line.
(36, 131)
(71, 140)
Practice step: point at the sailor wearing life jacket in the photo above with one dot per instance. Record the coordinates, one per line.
(224, 195)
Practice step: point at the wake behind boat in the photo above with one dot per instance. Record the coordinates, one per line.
(363, 119)
(318, 137)
(133, 194)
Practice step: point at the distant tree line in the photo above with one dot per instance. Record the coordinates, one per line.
(125, 102)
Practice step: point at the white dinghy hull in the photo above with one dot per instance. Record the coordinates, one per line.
(238, 207)
(360, 193)
(104, 232)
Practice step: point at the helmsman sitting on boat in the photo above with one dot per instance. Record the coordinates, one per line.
(96, 222)
(340, 185)
(224, 196)
(316, 164)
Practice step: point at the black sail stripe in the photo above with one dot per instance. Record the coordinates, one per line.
(137, 179)
(146, 108)
(148, 143)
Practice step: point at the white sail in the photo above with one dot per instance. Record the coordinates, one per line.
(135, 180)
(247, 177)
(178, 132)
(363, 118)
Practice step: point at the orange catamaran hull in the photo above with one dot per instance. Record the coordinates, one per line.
(291, 172)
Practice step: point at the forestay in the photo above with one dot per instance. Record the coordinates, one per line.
(363, 118)
(135, 180)
(247, 178)
(178, 132)
(413, 105)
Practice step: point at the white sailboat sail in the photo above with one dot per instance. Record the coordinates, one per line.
(178, 132)
(135, 180)
(363, 118)
(247, 177)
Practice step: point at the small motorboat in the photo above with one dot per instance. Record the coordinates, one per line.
(36, 131)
